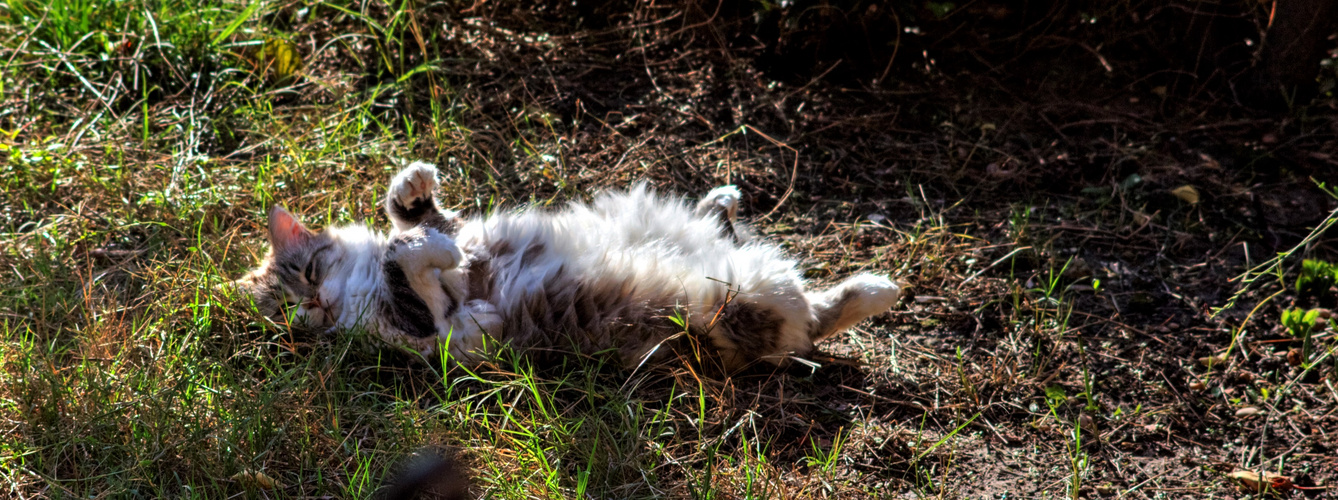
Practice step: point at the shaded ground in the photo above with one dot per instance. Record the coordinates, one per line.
(1067, 230)
(1035, 217)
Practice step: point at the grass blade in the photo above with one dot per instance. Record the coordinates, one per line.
(236, 23)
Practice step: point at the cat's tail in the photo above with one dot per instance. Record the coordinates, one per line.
(853, 300)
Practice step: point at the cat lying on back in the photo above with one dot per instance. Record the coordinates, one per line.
(622, 275)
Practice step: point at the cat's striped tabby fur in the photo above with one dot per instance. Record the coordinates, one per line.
(631, 274)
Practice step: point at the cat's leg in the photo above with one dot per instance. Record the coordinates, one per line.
(850, 302)
(418, 267)
(411, 200)
(722, 203)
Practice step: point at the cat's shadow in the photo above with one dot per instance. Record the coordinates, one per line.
(674, 425)
(656, 430)
(808, 407)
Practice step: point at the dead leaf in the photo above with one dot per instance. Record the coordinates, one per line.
(1086, 423)
(282, 57)
(1251, 482)
(1141, 218)
(1187, 194)
(1214, 360)
(255, 479)
(1248, 411)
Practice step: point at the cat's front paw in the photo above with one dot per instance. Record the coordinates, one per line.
(412, 189)
(424, 249)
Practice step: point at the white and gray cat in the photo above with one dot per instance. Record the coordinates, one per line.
(631, 274)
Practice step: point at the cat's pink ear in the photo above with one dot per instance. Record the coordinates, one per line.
(285, 231)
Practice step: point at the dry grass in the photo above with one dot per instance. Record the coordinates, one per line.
(1063, 293)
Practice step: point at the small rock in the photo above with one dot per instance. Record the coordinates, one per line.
(1295, 357)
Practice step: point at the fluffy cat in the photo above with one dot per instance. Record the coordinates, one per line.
(632, 274)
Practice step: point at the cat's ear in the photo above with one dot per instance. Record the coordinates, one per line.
(285, 231)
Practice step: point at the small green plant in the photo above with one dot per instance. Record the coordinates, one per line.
(1088, 384)
(1055, 395)
(1302, 324)
(1316, 278)
(1049, 288)
(825, 460)
(1079, 461)
(1299, 323)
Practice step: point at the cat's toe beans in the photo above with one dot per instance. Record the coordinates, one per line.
(415, 182)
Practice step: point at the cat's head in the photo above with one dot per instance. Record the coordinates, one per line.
(287, 284)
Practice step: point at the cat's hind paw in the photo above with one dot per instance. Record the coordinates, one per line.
(723, 200)
(873, 294)
(850, 302)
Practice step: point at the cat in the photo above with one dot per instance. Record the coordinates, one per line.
(632, 274)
